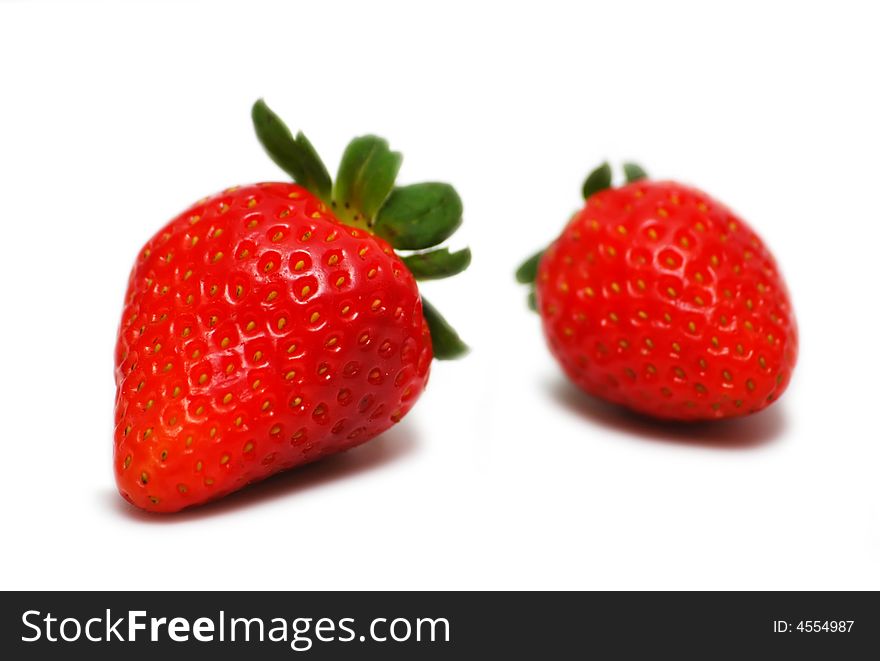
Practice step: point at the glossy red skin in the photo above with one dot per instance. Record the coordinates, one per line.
(229, 370)
(658, 298)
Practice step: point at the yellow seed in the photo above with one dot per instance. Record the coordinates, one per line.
(127, 462)
(692, 327)
(362, 251)
(750, 384)
(277, 236)
(238, 421)
(258, 355)
(218, 256)
(200, 410)
(248, 447)
(332, 261)
(227, 398)
(282, 323)
(251, 325)
(299, 266)
(679, 373)
(315, 316)
(275, 430)
(305, 291)
(615, 287)
(229, 368)
(296, 401)
(149, 404)
(676, 347)
(306, 236)
(290, 375)
(652, 233)
(642, 314)
(265, 405)
(649, 343)
(727, 376)
(244, 253)
(224, 342)
(255, 384)
(331, 342)
(202, 379)
(672, 293)
(269, 266)
(239, 290)
(589, 291)
(345, 309)
(715, 342)
(176, 391)
(372, 273)
(213, 432)
(271, 296)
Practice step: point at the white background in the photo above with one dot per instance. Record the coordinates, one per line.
(114, 117)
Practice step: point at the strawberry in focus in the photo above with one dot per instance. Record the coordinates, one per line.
(271, 325)
(659, 298)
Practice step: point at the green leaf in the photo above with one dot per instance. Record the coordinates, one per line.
(366, 176)
(438, 264)
(419, 216)
(532, 300)
(528, 270)
(598, 180)
(295, 156)
(634, 172)
(446, 342)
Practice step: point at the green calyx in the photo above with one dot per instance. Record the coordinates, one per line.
(417, 217)
(598, 180)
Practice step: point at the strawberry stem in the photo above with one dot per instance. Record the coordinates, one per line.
(598, 180)
(414, 217)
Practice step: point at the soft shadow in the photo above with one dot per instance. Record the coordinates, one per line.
(394, 444)
(753, 431)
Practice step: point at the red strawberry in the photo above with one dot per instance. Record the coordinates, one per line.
(661, 299)
(260, 332)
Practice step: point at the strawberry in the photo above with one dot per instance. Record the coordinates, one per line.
(274, 324)
(659, 298)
